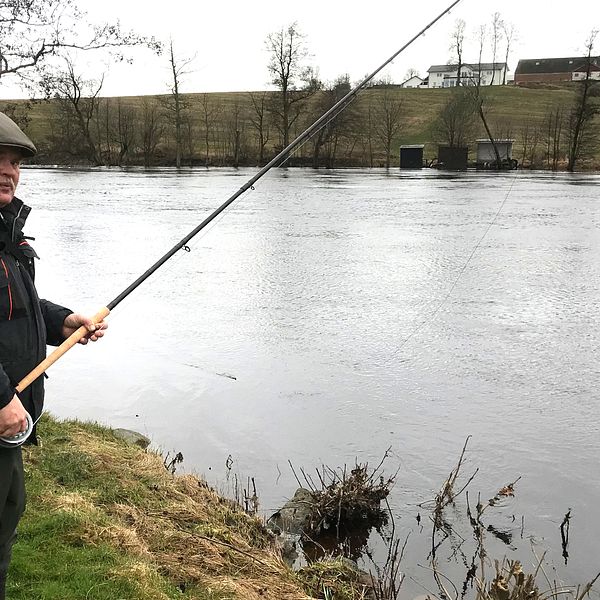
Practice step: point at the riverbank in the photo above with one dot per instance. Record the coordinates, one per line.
(106, 520)
(237, 128)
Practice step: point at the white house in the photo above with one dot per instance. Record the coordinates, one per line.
(412, 82)
(443, 76)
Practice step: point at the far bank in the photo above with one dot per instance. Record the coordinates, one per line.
(242, 129)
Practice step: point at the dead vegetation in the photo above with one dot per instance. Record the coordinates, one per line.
(489, 578)
(346, 500)
(485, 577)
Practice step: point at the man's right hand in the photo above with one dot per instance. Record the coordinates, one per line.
(13, 418)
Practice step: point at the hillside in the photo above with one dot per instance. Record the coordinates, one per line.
(227, 129)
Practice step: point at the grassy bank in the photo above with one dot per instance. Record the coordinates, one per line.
(221, 128)
(107, 521)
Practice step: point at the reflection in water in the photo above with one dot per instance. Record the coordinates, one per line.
(304, 291)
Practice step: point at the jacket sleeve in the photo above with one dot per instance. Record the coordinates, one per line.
(6, 389)
(54, 316)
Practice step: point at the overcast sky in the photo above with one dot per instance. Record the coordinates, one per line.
(227, 37)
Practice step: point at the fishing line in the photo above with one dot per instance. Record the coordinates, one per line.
(461, 272)
(249, 185)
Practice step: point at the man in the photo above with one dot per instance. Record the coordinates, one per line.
(27, 324)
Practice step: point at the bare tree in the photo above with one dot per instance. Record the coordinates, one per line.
(260, 122)
(209, 116)
(412, 72)
(189, 132)
(583, 111)
(366, 128)
(151, 130)
(455, 124)
(78, 98)
(554, 139)
(294, 80)
(104, 130)
(457, 46)
(530, 135)
(496, 34)
(31, 31)
(234, 127)
(176, 104)
(326, 141)
(510, 34)
(388, 113)
(482, 36)
(126, 133)
(479, 101)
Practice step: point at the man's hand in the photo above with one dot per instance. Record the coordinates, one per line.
(13, 418)
(75, 320)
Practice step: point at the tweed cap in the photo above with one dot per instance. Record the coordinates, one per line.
(11, 135)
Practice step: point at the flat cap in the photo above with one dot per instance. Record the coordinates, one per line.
(11, 135)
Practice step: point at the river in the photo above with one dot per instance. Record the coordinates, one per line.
(330, 315)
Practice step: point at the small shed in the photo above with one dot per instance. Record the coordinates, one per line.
(411, 156)
(486, 156)
(452, 158)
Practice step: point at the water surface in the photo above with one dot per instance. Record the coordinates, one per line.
(330, 315)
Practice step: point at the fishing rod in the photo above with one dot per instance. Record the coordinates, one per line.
(182, 244)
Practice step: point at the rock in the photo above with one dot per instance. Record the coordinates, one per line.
(295, 514)
(132, 437)
(288, 546)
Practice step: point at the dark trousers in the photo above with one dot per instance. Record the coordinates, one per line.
(12, 505)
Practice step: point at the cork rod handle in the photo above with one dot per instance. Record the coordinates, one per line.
(62, 349)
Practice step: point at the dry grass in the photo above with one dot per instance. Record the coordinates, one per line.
(172, 527)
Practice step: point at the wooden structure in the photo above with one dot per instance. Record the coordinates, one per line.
(452, 158)
(411, 156)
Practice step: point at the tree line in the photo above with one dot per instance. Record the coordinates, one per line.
(234, 129)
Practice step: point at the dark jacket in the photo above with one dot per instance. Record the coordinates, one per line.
(27, 323)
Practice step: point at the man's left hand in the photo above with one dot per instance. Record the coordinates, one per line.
(75, 320)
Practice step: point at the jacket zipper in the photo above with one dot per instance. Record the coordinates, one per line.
(14, 223)
(14, 226)
(10, 302)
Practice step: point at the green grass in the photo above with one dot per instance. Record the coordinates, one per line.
(106, 521)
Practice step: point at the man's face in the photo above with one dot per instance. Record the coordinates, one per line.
(10, 169)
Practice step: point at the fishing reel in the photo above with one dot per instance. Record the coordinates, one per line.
(16, 440)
